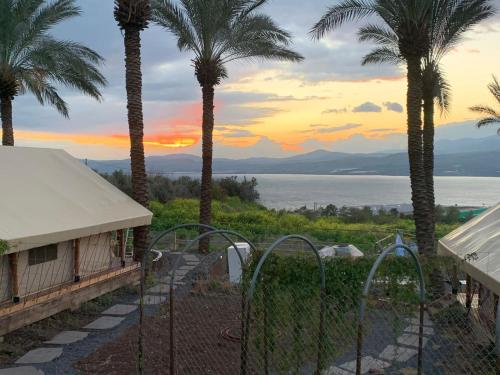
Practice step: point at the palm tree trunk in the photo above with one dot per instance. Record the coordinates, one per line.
(428, 138)
(207, 154)
(415, 155)
(7, 129)
(136, 131)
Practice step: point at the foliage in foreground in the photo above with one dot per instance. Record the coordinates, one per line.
(286, 307)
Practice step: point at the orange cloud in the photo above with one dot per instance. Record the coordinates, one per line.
(153, 141)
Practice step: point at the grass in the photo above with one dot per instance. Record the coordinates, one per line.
(264, 225)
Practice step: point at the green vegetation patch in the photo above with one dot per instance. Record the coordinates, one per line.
(4, 247)
(261, 225)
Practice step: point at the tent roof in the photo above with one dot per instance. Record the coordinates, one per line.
(47, 196)
(477, 244)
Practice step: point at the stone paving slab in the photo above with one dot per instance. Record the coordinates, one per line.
(416, 320)
(67, 337)
(397, 353)
(22, 370)
(104, 322)
(179, 272)
(415, 329)
(40, 355)
(185, 268)
(409, 339)
(152, 300)
(191, 257)
(367, 363)
(177, 280)
(160, 289)
(120, 310)
(337, 371)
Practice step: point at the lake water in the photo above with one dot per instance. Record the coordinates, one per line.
(294, 191)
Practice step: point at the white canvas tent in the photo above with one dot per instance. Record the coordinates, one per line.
(47, 196)
(64, 226)
(477, 245)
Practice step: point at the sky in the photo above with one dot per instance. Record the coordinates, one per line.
(276, 109)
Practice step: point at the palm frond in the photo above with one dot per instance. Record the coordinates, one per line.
(489, 121)
(379, 35)
(173, 18)
(382, 55)
(35, 62)
(222, 31)
(347, 10)
(485, 110)
(494, 88)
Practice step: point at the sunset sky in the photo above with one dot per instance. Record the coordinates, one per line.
(329, 101)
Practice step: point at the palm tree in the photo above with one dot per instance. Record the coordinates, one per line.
(32, 60)
(132, 17)
(410, 21)
(218, 32)
(493, 117)
(450, 20)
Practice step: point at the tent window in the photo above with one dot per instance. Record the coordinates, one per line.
(42, 254)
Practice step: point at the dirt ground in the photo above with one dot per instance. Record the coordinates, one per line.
(206, 330)
(32, 336)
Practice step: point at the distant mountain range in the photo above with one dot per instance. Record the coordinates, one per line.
(463, 157)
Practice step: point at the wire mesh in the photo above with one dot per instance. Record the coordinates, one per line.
(193, 322)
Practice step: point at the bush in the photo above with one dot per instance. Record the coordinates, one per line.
(164, 189)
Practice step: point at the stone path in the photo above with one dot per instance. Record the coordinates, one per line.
(111, 318)
(406, 349)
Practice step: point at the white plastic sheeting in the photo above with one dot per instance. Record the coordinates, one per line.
(477, 244)
(47, 196)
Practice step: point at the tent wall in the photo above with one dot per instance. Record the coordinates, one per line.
(4, 279)
(97, 254)
(39, 277)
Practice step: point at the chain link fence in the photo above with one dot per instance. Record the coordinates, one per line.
(287, 310)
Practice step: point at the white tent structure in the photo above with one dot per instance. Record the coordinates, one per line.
(47, 196)
(477, 245)
(62, 234)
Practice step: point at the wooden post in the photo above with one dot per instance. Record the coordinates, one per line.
(495, 305)
(121, 245)
(76, 259)
(14, 280)
(455, 283)
(468, 292)
(480, 296)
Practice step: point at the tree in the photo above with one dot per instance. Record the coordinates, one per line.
(218, 32)
(31, 60)
(410, 22)
(132, 17)
(493, 116)
(449, 21)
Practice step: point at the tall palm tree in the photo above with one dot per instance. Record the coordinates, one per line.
(493, 116)
(450, 20)
(33, 60)
(410, 21)
(218, 32)
(132, 17)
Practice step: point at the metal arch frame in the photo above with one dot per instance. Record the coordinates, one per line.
(224, 234)
(366, 292)
(270, 249)
(211, 231)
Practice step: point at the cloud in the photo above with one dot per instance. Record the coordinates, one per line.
(335, 129)
(382, 130)
(393, 106)
(367, 107)
(238, 133)
(335, 110)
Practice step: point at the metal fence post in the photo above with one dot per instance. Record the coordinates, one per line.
(364, 299)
